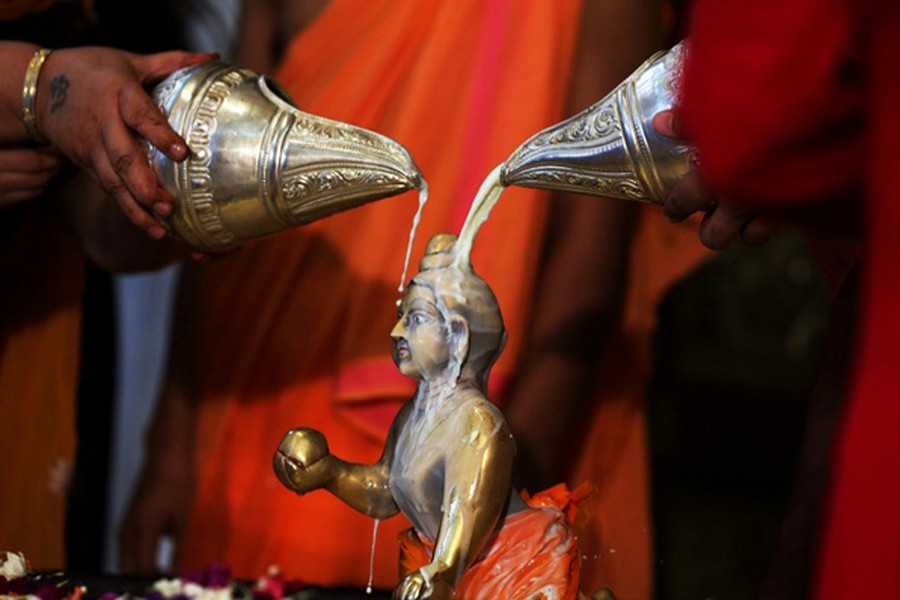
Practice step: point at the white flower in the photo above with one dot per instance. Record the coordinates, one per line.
(13, 566)
(214, 594)
(175, 587)
(168, 587)
(192, 590)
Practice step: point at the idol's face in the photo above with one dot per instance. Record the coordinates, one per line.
(421, 349)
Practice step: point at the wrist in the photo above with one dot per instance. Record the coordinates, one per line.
(332, 469)
(443, 578)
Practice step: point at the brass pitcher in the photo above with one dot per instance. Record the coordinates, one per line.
(611, 149)
(258, 164)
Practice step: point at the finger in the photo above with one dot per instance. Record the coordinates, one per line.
(722, 225)
(153, 68)
(129, 161)
(756, 232)
(405, 591)
(18, 196)
(687, 197)
(141, 115)
(12, 181)
(667, 123)
(114, 186)
(29, 160)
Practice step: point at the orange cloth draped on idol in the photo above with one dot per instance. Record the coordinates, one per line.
(536, 551)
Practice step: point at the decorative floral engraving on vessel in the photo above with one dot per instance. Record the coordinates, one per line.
(310, 187)
(616, 187)
(316, 131)
(597, 124)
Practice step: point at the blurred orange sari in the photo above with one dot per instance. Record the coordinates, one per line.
(42, 270)
(294, 328)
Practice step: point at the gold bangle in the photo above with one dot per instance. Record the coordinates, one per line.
(29, 94)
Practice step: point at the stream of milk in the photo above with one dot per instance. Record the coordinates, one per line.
(423, 198)
(482, 205)
(372, 557)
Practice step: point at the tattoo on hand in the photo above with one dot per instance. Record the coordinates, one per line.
(59, 92)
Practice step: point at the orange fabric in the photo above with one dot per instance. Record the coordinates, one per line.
(41, 269)
(617, 541)
(294, 328)
(534, 555)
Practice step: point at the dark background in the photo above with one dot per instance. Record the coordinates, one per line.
(737, 355)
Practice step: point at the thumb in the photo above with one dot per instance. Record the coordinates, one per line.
(668, 123)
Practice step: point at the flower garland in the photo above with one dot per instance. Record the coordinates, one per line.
(18, 582)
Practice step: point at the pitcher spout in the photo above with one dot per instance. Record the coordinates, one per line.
(611, 148)
(329, 166)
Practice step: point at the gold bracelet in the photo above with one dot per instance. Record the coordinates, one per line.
(29, 94)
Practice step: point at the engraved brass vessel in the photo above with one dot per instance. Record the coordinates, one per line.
(611, 149)
(258, 164)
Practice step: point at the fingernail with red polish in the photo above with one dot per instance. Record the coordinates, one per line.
(157, 232)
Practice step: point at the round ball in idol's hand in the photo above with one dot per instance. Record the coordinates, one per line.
(304, 446)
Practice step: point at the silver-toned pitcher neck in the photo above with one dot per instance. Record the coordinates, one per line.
(259, 165)
(611, 148)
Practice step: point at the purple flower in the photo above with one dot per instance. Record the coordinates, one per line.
(49, 591)
(218, 576)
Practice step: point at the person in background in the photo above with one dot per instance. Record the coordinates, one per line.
(793, 111)
(84, 106)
